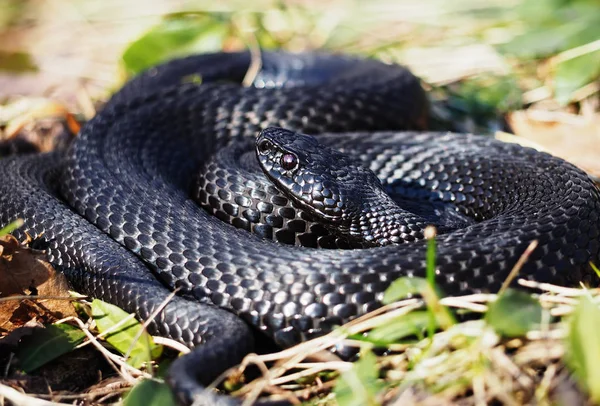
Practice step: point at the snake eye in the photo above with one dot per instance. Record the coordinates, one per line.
(289, 162)
(265, 146)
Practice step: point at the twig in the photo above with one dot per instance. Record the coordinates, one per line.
(548, 287)
(7, 368)
(255, 62)
(313, 370)
(576, 52)
(39, 297)
(169, 342)
(19, 398)
(147, 322)
(124, 370)
(515, 271)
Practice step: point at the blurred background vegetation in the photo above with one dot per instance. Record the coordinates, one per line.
(488, 61)
(531, 67)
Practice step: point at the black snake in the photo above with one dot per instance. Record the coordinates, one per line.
(128, 176)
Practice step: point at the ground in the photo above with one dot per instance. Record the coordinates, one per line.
(522, 70)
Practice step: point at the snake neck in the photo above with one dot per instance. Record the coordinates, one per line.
(382, 222)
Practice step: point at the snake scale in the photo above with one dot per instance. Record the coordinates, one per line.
(116, 215)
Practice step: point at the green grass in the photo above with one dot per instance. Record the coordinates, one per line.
(487, 59)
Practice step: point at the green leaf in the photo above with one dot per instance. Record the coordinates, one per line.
(575, 73)
(11, 12)
(360, 385)
(486, 95)
(554, 27)
(439, 314)
(149, 393)
(122, 338)
(430, 256)
(595, 268)
(402, 288)
(176, 35)
(17, 62)
(431, 299)
(162, 369)
(47, 344)
(583, 346)
(408, 286)
(10, 227)
(538, 42)
(514, 313)
(413, 323)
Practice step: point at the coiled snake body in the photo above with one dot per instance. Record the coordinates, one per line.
(115, 212)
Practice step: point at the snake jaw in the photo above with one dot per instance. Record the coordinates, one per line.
(307, 184)
(334, 187)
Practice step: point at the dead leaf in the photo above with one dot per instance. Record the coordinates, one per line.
(20, 267)
(45, 109)
(24, 271)
(35, 125)
(573, 137)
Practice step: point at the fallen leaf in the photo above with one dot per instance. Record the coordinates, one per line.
(574, 73)
(514, 313)
(128, 338)
(149, 393)
(361, 384)
(39, 124)
(20, 268)
(47, 344)
(24, 271)
(575, 138)
(583, 346)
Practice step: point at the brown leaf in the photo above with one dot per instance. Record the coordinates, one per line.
(575, 138)
(24, 271)
(21, 269)
(42, 110)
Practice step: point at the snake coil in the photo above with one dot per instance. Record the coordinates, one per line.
(115, 215)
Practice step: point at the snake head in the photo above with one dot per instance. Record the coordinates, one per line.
(327, 183)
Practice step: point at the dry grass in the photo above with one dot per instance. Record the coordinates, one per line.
(468, 363)
(77, 46)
